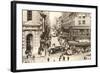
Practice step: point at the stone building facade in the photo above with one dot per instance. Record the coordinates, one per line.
(32, 28)
(76, 25)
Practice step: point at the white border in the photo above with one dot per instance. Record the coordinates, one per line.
(21, 65)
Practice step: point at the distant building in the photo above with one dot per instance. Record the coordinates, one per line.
(68, 18)
(32, 27)
(76, 25)
(59, 22)
(83, 19)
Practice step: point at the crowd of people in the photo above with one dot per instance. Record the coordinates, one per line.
(57, 45)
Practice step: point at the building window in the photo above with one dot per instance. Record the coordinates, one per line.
(79, 22)
(79, 16)
(83, 21)
(29, 15)
(83, 16)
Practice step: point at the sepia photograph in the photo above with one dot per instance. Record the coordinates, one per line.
(49, 36)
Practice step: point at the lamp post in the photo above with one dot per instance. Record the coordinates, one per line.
(43, 25)
(43, 19)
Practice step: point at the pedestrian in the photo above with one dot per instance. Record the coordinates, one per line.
(59, 58)
(48, 59)
(68, 58)
(63, 58)
(85, 58)
(33, 57)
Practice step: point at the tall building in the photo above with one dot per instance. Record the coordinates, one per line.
(68, 18)
(33, 25)
(83, 19)
(76, 25)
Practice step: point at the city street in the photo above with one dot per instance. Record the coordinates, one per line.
(56, 58)
(56, 36)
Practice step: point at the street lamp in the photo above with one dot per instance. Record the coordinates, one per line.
(43, 23)
(43, 19)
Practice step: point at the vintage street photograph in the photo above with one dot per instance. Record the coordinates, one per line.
(55, 36)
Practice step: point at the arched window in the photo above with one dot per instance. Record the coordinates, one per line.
(29, 42)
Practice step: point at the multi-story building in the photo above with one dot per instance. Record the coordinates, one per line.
(76, 25)
(33, 25)
(83, 19)
(69, 18)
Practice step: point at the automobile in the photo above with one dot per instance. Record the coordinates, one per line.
(87, 57)
(81, 46)
(57, 49)
(68, 52)
(51, 50)
(88, 49)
